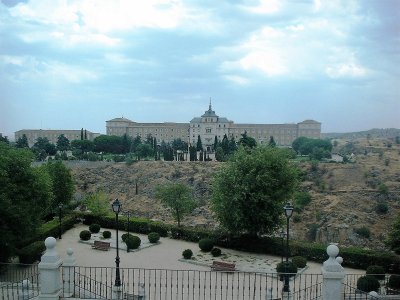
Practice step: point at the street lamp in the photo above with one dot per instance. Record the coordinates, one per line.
(116, 207)
(59, 219)
(288, 208)
(128, 214)
(282, 235)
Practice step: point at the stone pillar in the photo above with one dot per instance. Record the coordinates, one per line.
(69, 273)
(117, 292)
(49, 272)
(333, 275)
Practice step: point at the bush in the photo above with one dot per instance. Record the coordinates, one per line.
(296, 219)
(206, 244)
(394, 282)
(299, 261)
(153, 237)
(215, 252)
(381, 208)
(125, 236)
(376, 271)
(85, 235)
(363, 231)
(31, 253)
(368, 284)
(94, 228)
(106, 234)
(187, 254)
(290, 268)
(133, 242)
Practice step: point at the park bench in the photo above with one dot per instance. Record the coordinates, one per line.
(223, 266)
(99, 245)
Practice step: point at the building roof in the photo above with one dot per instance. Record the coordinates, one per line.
(309, 122)
(119, 120)
(209, 112)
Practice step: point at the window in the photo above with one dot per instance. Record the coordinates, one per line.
(208, 130)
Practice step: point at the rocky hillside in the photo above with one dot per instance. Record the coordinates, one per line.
(344, 196)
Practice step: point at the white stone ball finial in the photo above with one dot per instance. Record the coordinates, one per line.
(332, 251)
(339, 259)
(50, 242)
(70, 251)
(374, 294)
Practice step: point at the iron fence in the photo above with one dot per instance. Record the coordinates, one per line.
(18, 281)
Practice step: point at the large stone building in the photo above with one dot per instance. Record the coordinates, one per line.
(210, 125)
(52, 135)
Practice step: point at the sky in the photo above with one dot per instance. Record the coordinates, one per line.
(71, 64)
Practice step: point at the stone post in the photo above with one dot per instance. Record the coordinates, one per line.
(49, 272)
(333, 275)
(69, 273)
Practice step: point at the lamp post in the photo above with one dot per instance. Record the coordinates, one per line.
(288, 208)
(116, 207)
(59, 219)
(282, 234)
(128, 214)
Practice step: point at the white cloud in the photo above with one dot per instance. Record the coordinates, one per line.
(237, 79)
(264, 7)
(269, 62)
(346, 70)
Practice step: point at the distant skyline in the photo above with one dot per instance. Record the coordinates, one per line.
(78, 63)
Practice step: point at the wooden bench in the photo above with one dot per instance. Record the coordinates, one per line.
(223, 266)
(99, 245)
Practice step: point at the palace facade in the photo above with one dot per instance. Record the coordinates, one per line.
(52, 135)
(210, 125)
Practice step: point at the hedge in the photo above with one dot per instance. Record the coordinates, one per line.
(31, 253)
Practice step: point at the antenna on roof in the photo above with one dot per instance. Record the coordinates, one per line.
(209, 107)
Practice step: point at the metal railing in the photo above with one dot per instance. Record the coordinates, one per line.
(161, 284)
(18, 281)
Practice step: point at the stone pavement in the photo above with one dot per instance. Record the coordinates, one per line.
(168, 255)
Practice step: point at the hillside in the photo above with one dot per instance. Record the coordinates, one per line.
(344, 196)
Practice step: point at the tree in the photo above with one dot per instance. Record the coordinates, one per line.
(249, 192)
(144, 150)
(192, 153)
(271, 142)
(97, 203)
(219, 154)
(109, 144)
(82, 145)
(393, 240)
(199, 145)
(232, 145)
(306, 146)
(81, 134)
(225, 145)
(62, 143)
(62, 183)
(43, 148)
(247, 141)
(4, 139)
(135, 143)
(22, 142)
(25, 193)
(178, 197)
(215, 143)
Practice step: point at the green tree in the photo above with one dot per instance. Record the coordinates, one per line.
(82, 145)
(62, 183)
(247, 141)
(43, 148)
(271, 142)
(135, 143)
(22, 142)
(219, 154)
(25, 193)
(215, 146)
(393, 240)
(178, 197)
(199, 145)
(232, 145)
(97, 203)
(62, 143)
(126, 143)
(144, 150)
(4, 139)
(193, 153)
(249, 192)
(108, 144)
(81, 134)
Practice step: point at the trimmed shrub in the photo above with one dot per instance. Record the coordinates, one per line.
(206, 244)
(187, 254)
(377, 271)
(133, 242)
(94, 228)
(106, 234)
(153, 237)
(215, 252)
(125, 236)
(394, 282)
(368, 284)
(290, 268)
(299, 261)
(85, 235)
(31, 253)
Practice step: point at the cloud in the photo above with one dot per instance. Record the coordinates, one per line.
(346, 70)
(264, 7)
